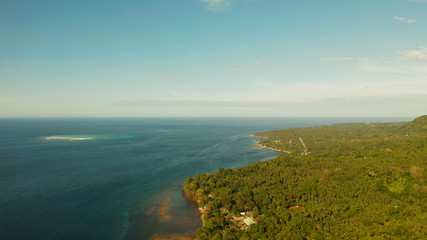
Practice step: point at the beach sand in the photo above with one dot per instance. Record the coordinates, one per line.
(65, 138)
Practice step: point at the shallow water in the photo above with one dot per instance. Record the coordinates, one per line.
(107, 187)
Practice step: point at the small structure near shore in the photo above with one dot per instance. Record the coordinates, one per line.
(249, 221)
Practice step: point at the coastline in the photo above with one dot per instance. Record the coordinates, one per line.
(195, 202)
(348, 162)
(187, 197)
(165, 212)
(258, 145)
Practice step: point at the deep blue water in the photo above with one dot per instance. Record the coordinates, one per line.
(104, 188)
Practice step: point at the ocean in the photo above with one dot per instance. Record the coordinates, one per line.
(67, 179)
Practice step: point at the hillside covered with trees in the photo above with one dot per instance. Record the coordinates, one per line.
(346, 181)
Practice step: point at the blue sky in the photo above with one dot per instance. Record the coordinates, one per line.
(213, 58)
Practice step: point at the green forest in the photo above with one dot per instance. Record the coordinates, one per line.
(344, 181)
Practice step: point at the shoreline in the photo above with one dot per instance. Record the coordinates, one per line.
(187, 197)
(162, 212)
(195, 202)
(258, 145)
(184, 236)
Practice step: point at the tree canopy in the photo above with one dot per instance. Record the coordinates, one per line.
(346, 181)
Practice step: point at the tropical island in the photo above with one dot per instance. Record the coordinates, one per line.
(69, 138)
(84, 137)
(345, 181)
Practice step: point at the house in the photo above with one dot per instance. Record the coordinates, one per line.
(249, 221)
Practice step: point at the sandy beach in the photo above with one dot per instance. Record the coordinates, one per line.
(258, 145)
(67, 138)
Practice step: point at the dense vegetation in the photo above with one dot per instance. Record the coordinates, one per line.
(350, 181)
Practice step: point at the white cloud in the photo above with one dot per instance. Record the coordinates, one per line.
(405, 20)
(217, 5)
(406, 62)
(414, 54)
(383, 106)
(309, 92)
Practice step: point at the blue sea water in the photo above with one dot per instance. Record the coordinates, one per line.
(124, 182)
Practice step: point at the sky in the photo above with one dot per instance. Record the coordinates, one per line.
(213, 58)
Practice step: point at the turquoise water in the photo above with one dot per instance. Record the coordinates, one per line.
(108, 186)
